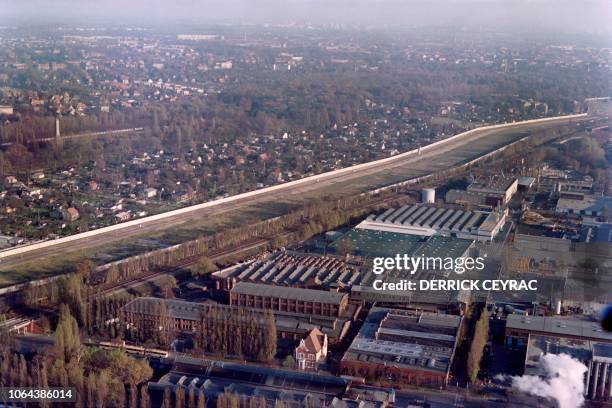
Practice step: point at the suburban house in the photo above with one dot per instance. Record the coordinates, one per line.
(70, 214)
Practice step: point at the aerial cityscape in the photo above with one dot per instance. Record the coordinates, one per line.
(268, 204)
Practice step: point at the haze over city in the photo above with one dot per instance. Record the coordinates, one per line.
(287, 204)
(518, 15)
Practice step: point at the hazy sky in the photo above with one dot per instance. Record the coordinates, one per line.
(556, 15)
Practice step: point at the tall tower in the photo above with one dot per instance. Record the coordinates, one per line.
(57, 126)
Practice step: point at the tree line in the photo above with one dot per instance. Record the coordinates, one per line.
(239, 332)
(101, 378)
(296, 225)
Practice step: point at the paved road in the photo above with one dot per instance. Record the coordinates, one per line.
(443, 157)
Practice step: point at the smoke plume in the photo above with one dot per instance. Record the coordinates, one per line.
(562, 380)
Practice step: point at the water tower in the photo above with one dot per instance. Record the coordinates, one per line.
(428, 195)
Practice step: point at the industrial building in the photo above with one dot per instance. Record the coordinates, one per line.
(427, 220)
(404, 347)
(179, 316)
(369, 243)
(548, 251)
(493, 193)
(519, 328)
(585, 185)
(285, 268)
(583, 204)
(292, 387)
(150, 313)
(597, 357)
(540, 249)
(471, 199)
(286, 299)
(428, 300)
(554, 180)
(525, 183)
(502, 188)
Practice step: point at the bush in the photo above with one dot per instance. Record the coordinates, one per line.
(289, 361)
(203, 267)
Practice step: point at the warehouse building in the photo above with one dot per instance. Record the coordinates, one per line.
(178, 316)
(286, 299)
(287, 268)
(500, 188)
(597, 357)
(294, 388)
(583, 204)
(369, 243)
(547, 251)
(519, 328)
(448, 301)
(471, 199)
(493, 193)
(542, 250)
(428, 220)
(404, 347)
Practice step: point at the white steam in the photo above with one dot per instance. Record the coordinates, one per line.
(562, 380)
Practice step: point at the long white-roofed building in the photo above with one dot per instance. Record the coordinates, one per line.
(428, 220)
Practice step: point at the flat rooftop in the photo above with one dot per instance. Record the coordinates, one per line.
(540, 345)
(420, 297)
(373, 243)
(499, 184)
(604, 234)
(405, 338)
(526, 181)
(590, 203)
(602, 352)
(559, 327)
(283, 292)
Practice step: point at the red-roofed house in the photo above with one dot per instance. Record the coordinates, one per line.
(70, 214)
(311, 350)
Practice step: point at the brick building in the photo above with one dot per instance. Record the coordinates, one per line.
(403, 347)
(150, 315)
(311, 350)
(288, 299)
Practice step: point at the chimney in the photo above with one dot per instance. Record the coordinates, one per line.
(57, 126)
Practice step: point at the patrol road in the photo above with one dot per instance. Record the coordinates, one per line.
(438, 156)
